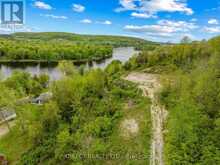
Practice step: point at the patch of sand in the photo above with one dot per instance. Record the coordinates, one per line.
(129, 128)
(4, 128)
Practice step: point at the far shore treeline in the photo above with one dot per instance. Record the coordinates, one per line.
(62, 46)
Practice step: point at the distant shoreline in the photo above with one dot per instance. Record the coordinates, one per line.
(54, 61)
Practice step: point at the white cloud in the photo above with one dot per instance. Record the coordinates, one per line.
(152, 7)
(213, 9)
(213, 22)
(194, 20)
(78, 8)
(106, 22)
(140, 15)
(86, 21)
(54, 16)
(19, 28)
(5, 30)
(178, 25)
(127, 5)
(149, 29)
(163, 28)
(42, 5)
(212, 29)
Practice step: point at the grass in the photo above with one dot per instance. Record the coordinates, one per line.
(134, 149)
(16, 142)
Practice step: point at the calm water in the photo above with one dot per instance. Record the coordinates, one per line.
(122, 54)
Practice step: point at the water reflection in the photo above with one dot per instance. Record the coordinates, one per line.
(122, 54)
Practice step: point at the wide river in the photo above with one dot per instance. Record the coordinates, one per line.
(121, 54)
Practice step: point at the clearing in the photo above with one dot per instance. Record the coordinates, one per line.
(150, 85)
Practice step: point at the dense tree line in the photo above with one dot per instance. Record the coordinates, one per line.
(26, 85)
(52, 50)
(115, 41)
(172, 57)
(65, 46)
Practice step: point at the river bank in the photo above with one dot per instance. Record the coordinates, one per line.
(122, 54)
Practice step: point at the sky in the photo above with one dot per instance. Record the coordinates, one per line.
(156, 20)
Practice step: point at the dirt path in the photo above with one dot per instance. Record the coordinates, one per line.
(4, 128)
(149, 83)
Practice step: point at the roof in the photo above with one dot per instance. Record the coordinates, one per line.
(7, 114)
(44, 97)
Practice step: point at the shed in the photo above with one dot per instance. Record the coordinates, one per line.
(43, 98)
(7, 114)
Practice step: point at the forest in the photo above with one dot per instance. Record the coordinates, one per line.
(114, 41)
(63, 46)
(87, 120)
(51, 51)
(190, 73)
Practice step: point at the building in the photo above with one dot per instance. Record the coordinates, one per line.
(43, 98)
(7, 114)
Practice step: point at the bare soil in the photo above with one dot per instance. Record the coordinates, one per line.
(129, 128)
(4, 128)
(150, 85)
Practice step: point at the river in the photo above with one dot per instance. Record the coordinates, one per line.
(122, 54)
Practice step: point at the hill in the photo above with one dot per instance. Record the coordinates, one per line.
(55, 46)
(77, 38)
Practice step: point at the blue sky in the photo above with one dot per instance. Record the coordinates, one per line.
(158, 20)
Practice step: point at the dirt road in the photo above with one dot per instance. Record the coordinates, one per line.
(150, 84)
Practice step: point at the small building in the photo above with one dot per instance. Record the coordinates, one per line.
(43, 98)
(7, 114)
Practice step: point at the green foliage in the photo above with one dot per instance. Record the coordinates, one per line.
(51, 51)
(192, 99)
(115, 41)
(101, 127)
(50, 118)
(64, 46)
(20, 138)
(181, 56)
(24, 84)
(7, 96)
(67, 68)
(84, 118)
(114, 68)
(191, 95)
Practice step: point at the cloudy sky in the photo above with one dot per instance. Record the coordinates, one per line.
(158, 20)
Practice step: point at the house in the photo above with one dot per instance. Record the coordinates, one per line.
(7, 114)
(43, 98)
